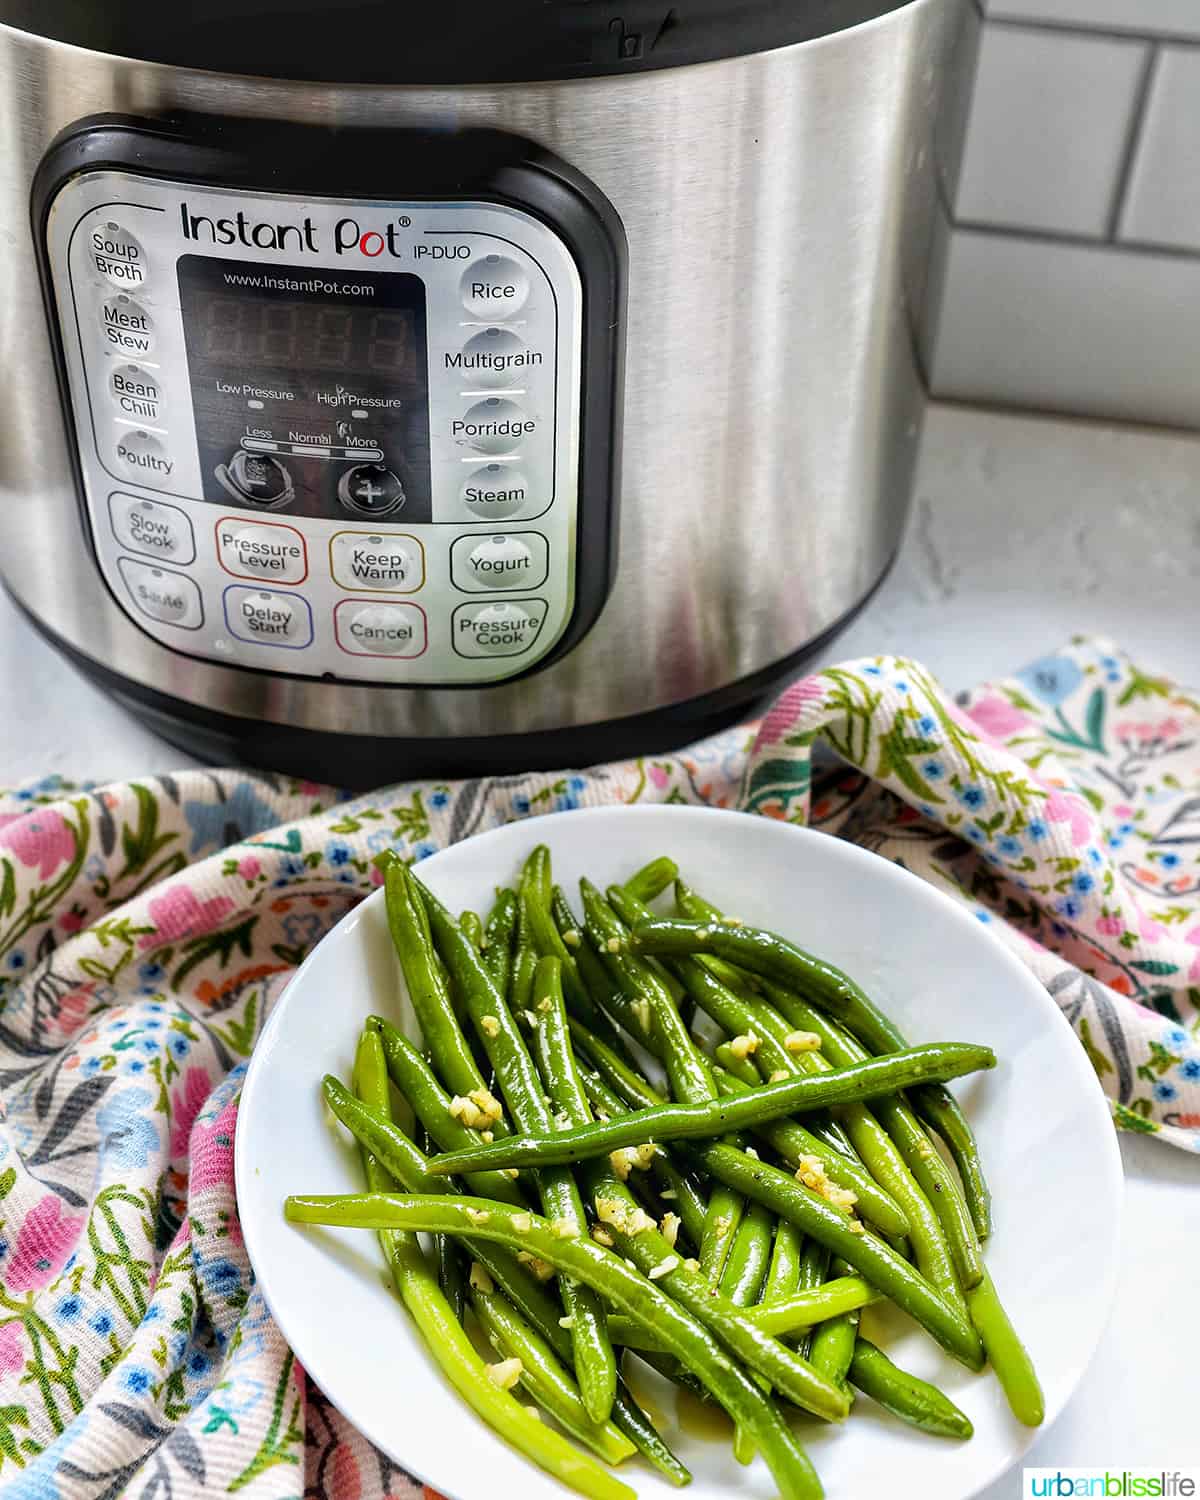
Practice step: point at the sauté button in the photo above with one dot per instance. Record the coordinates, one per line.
(494, 425)
(152, 528)
(510, 560)
(117, 255)
(370, 490)
(261, 549)
(135, 392)
(508, 627)
(496, 492)
(493, 358)
(494, 287)
(375, 628)
(391, 564)
(268, 618)
(256, 477)
(171, 598)
(128, 327)
(143, 457)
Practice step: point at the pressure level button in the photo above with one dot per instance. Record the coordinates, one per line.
(494, 287)
(508, 627)
(496, 492)
(117, 255)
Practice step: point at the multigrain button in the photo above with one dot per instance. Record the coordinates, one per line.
(497, 492)
(143, 456)
(152, 528)
(128, 327)
(117, 255)
(261, 549)
(509, 560)
(171, 598)
(494, 425)
(494, 358)
(390, 564)
(135, 392)
(374, 628)
(494, 287)
(508, 627)
(268, 618)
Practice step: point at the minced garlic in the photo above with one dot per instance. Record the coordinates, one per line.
(477, 1109)
(567, 1322)
(664, 1267)
(542, 1269)
(779, 1075)
(506, 1373)
(601, 1235)
(480, 1279)
(743, 1046)
(613, 945)
(563, 1228)
(627, 1218)
(478, 1215)
(810, 1170)
(670, 1228)
(571, 938)
(625, 1158)
(522, 1223)
(491, 1026)
(802, 1041)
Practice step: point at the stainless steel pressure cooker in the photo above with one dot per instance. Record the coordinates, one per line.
(505, 384)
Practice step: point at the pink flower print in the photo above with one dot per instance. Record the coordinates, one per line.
(186, 1103)
(212, 1151)
(249, 868)
(997, 717)
(43, 1244)
(787, 709)
(658, 776)
(179, 913)
(1065, 807)
(39, 838)
(12, 1348)
(1110, 926)
(74, 1006)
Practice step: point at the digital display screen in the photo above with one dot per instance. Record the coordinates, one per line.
(307, 385)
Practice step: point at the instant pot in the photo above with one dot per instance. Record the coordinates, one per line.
(497, 385)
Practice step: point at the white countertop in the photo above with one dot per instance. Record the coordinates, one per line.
(1026, 530)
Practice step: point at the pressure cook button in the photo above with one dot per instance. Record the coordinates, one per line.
(492, 358)
(171, 598)
(494, 425)
(261, 549)
(128, 327)
(363, 628)
(135, 392)
(143, 457)
(506, 628)
(152, 528)
(494, 287)
(513, 560)
(256, 477)
(370, 490)
(496, 492)
(391, 564)
(268, 618)
(117, 255)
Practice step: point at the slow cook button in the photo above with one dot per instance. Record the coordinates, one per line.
(366, 628)
(128, 327)
(496, 492)
(117, 255)
(494, 425)
(268, 618)
(508, 627)
(261, 549)
(171, 598)
(511, 560)
(387, 564)
(152, 528)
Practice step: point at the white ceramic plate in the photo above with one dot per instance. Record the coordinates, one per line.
(1043, 1127)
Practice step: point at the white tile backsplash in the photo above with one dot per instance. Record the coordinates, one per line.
(1048, 129)
(1163, 202)
(1148, 17)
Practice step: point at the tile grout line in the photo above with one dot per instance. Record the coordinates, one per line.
(1081, 29)
(1071, 241)
(1133, 141)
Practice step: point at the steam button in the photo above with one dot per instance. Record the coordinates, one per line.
(496, 492)
(494, 288)
(171, 598)
(370, 490)
(117, 255)
(256, 477)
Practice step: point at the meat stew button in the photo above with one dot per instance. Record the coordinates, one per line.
(508, 627)
(261, 549)
(378, 628)
(267, 618)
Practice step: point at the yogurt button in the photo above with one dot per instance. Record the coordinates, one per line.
(509, 560)
(128, 327)
(171, 598)
(379, 629)
(117, 255)
(268, 618)
(506, 628)
(152, 528)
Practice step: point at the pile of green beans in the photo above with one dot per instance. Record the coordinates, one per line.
(597, 1200)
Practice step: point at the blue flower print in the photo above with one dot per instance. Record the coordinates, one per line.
(423, 851)
(576, 784)
(1093, 855)
(933, 770)
(69, 1308)
(926, 724)
(221, 1277)
(1164, 1091)
(198, 1364)
(520, 804)
(565, 802)
(180, 1045)
(439, 799)
(982, 914)
(136, 1065)
(101, 1323)
(90, 1067)
(976, 835)
(16, 959)
(972, 796)
(1190, 1069)
(137, 1380)
(1083, 882)
(1052, 679)
(128, 1129)
(1168, 861)
(1176, 1037)
(900, 685)
(338, 852)
(873, 671)
(1037, 830)
(40, 1480)
(215, 824)
(1009, 846)
(1068, 906)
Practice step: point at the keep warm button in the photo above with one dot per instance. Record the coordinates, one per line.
(261, 549)
(507, 627)
(507, 560)
(268, 619)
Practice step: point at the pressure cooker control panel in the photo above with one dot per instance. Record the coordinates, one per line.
(324, 437)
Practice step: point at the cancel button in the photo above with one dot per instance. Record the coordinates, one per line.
(376, 628)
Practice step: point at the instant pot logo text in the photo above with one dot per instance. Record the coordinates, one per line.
(348, 237)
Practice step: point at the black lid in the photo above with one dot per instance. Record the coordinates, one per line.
(435, 41)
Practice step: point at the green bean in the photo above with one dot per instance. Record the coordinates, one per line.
(472, 925)
(450, 1274)
(524, 962)
(416, 1080)
(597, 986)
(595, 1363)
(667, 1122)
(445, 1337)
(631, 1292)
(1008, 1355)
(693, 907)
(905, 1396)
(624, 1080)
(378, 1134)
(543, 1376)
(942, 1112)
(785, 1263)
(832, 1346)
(427, 991)
(791, 1141)
(653, 878)
(810, 1276)
(874, 1260)
(749, 1256)
(499, 933)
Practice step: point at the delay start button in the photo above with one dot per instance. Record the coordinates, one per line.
(508, 627)
(366, 627)
(509, 560)
(268, 618)
(261, 549)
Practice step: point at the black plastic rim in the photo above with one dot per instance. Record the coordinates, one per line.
(453, 41)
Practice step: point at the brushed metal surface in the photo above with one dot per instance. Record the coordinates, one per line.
(777, 207)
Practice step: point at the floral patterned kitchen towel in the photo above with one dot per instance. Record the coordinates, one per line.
(147, 929)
